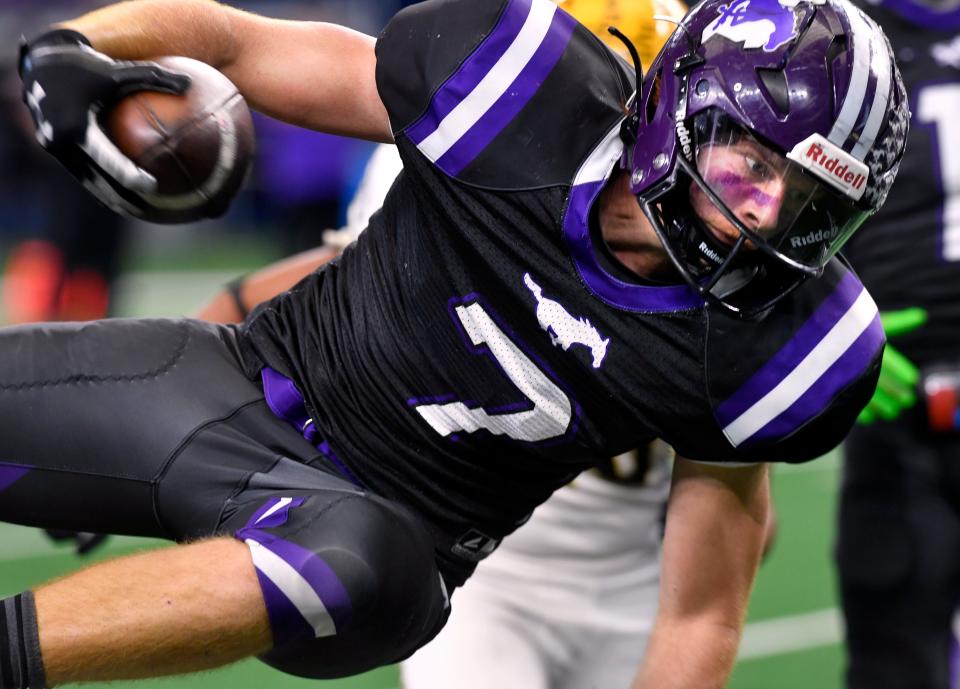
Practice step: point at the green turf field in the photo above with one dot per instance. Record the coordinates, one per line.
(793, 636)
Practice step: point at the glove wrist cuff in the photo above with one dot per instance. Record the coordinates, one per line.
(50, 37)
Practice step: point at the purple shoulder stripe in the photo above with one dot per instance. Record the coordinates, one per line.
(472, 71)
(830, 351)
(493, 85)
(818, 397)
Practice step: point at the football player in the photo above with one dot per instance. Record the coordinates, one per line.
(563, 270)
(898, 548)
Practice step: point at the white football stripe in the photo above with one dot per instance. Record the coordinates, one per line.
(881, 67)
(294, 587)
(856, 91)
(469, 111)
(279, 506)
(836, 342)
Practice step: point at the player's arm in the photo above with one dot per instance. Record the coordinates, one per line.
(714, 537)
(313, 74)
(232, 304)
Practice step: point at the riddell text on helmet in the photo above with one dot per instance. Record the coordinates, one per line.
(831, 164)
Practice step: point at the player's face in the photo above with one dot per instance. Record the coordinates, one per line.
(751, 180)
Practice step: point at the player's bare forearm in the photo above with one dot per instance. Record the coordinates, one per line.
(714, 538)
(168, 611)
(312, 74)
(264, 284)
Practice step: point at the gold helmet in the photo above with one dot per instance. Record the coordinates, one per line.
(633, 17)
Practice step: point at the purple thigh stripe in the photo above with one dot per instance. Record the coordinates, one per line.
(11, 473)
(844, 371)
(827, 315)
(472, 71)
(519, 93)
(314, 571)
(277, 518)
(286, 622)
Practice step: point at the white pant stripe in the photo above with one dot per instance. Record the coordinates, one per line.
(294, 587)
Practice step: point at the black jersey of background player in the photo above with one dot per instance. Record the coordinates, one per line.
(909, 253)
(477, 346)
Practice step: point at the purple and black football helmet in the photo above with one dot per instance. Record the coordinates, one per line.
(813, 86)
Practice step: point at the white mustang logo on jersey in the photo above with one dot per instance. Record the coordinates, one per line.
(564, 329)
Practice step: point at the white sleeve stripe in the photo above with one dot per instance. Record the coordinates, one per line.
(469, 111)
(836, 342)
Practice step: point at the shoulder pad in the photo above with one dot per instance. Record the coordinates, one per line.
(788, 386)
(516, 97)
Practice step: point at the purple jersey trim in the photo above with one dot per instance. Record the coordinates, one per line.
(797, 348)
(11, 473)
(285, 401)
(843, 372)
(615, 292)
(472, 71)
(283, 398)
(517, 95)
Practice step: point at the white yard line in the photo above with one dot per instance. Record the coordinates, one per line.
(781, 635)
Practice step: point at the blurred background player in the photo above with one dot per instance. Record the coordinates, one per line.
(898, 549)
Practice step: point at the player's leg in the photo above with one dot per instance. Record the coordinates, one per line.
(323, 584)
(487, 642)
(171, 610)
(93, 418)
(898, 550)
(210, 458)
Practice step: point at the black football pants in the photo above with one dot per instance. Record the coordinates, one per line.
(160, 428)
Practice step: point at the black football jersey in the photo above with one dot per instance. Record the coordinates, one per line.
(908, 254)
(476, 347)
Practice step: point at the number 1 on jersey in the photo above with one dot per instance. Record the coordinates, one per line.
(938, 105)
(551, 410)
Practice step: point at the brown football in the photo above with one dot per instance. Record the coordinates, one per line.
(199, 145)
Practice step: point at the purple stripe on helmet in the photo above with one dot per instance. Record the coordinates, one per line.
(844, 371)
(827, 315)
(517, 95)
(473, 70)
(11, 473)
(286, 622)
(317, 573)
(277, 518)
(616, 293)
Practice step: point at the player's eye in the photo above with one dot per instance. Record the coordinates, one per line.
(757, 168)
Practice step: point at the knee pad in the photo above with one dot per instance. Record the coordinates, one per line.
(349, 581)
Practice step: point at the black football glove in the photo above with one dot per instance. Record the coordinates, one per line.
(68, 85)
